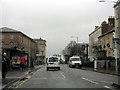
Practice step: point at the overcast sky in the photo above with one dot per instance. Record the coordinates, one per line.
(55, 20)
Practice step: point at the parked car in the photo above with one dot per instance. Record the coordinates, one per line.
(75, 62)
(15, 62)
(53, 63)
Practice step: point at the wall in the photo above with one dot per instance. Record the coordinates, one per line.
(104, 41)
(93, 41)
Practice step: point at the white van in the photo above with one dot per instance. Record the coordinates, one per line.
(53, 62)
(75, 61)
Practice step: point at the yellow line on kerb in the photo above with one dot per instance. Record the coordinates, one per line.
(22, 82)
(29, 77)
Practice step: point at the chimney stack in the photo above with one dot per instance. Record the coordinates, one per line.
(104, 27)
(111, 22)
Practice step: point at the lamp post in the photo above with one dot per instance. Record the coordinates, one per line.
(77, 43)
(107, 1)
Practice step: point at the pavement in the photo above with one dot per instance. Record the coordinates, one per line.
(112, 72)
(16, 75)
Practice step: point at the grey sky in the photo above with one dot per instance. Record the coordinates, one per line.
(55, 20)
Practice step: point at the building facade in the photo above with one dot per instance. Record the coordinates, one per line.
(106, 43)
(41, 51)
(14, 42)
(101, 46)
(117, 33)
(73, 48)
(93, 42)
(106, 39)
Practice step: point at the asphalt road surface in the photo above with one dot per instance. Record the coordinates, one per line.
(68, 78)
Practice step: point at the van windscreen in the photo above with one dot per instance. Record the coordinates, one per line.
(53, 59)
(75, 59)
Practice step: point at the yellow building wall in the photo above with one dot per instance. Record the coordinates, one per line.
(104, 41)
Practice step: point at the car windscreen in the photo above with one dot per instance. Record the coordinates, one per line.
(53, 59)
(75, 59)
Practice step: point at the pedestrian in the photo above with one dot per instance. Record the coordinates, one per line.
(5, 61)
(32, 61)
(22, 62)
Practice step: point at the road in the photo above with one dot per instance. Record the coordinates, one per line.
(68, 78)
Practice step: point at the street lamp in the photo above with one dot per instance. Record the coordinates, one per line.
(107, 1)
(77, 42)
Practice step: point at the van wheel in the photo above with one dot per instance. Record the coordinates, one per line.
(47, 68)
(58, 68)
(69, 66)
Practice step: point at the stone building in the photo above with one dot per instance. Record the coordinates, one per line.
(117, 33)
(102, 38)
(14, 42)
(41, 51)
(106, 39)
(93, 42)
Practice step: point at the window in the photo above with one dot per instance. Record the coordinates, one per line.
(75, 59)
(104, 46)
(108, 45)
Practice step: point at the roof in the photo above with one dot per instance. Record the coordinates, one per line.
(9, 30)
(96, 29)
(75, 57)
(53, 57)
(40, 39)
(6, 29)
(107, 33)
(117, 3)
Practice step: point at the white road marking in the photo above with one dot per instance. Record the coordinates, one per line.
(62, 75)
(106, 82)
(107, 87)
(40, 78)
(89, 80)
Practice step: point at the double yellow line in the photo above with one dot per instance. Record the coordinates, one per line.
(28, 78)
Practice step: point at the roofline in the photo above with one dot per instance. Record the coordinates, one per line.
(95, 30)
(28, 37)
(40, 39)
(17, 32)
(107, 33)
(117, 3)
